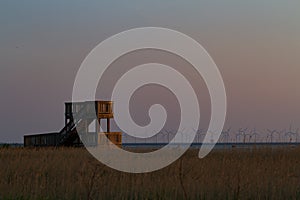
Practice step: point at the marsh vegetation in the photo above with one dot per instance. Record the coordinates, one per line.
(72, 173)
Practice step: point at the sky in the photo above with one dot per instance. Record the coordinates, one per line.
(255, 44)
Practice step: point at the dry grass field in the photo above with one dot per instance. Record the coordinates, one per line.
(71, 173)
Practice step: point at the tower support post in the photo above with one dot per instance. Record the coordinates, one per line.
(108, 125)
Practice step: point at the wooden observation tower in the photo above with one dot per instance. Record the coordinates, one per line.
(78, 118)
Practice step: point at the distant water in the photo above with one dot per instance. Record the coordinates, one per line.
(11, 144)
(194, 145)
(217, 146)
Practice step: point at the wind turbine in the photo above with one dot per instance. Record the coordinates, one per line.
(181, 132)
(254, 133)
(225, 135)
(279, 134)
(168, 134)
(242, 132)
(198, 135)
(271, 133)
(290, 134)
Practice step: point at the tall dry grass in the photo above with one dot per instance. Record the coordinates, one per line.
(71, 173)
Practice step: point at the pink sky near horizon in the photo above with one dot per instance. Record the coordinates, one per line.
(255, 44)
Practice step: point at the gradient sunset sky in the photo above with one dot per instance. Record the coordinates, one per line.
(255, 44)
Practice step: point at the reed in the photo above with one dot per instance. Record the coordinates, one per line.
(71, 173)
